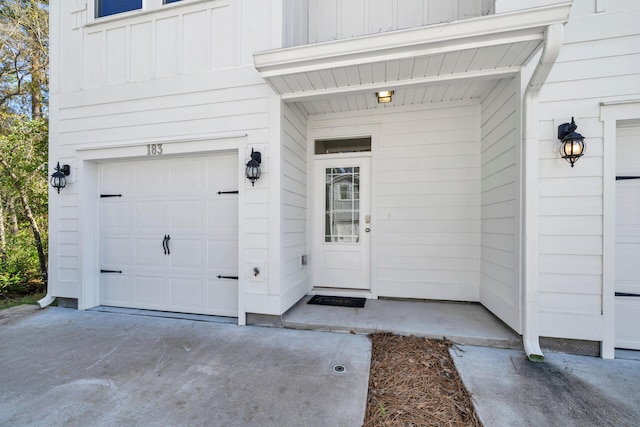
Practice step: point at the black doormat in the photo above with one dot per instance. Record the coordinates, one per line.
(337, 301)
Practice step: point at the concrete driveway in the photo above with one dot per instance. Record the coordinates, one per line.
(566, 390)
(62, 367)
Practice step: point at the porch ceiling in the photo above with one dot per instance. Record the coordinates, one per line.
(450, 61)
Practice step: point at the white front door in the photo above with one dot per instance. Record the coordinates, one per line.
(168, 239)
(342, 223)
(628, 238)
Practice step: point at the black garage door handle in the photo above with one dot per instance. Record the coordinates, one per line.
(165, 244)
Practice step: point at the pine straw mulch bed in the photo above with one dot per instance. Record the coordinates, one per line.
(413, 382)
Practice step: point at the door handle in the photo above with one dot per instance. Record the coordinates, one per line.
(165, 244)
(367, 229)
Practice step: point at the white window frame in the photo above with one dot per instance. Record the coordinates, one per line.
(148, 6)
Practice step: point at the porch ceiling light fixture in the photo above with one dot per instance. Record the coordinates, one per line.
(384, 96)
(573, 146)
(253, 167)
(58, 178)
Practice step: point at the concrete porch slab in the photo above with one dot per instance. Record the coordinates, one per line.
(461, 323)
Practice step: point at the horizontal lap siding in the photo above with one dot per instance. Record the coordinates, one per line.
(499, 284)
(173, 74)
(599, 62)
(428, 204)
(294, 205)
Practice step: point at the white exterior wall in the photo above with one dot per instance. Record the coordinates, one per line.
(294, 182)
(182, 76)
(295, 22)
(425, 196)
(499, 283)
(599, 62)
(339, 19)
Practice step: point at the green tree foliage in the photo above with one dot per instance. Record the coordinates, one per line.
(23, 144)
(24, 57)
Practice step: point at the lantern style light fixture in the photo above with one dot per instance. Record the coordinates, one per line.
(572, 146)
(253, 167)
(58, 178)
(384, 96)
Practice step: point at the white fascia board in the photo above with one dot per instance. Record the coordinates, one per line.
(504, 28)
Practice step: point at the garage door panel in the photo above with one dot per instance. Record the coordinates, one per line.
(627, 310)
(222, 217)
(149, 252)
(116, 178)
(187, 253)
(149, 216)
(628, 264)
(188, 177)
(222, 254)
(629, 194)
(115, 217)
(187, 216)
(222, 173)
(149, 178)
(149, 291)
(221, 295)
(115, 289)
(115, 251)
(187, 294)
(177, 198)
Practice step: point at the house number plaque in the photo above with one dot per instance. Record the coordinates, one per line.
(154, 149)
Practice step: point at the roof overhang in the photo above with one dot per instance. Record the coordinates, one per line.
(485, 48)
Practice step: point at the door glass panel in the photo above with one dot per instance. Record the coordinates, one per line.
(342, 205)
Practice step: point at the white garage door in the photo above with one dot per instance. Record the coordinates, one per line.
(168, 239)
(628, 237)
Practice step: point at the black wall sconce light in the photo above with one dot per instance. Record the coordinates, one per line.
(58, 178)
(253, 167)
(573, 146)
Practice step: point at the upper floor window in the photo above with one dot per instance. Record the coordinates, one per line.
(111, 7)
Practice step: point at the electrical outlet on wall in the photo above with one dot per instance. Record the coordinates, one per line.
(257, 271)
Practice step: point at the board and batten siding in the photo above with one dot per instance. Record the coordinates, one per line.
(599, 62)
(173, 40)
(340, 19)
(499, 280)
(294, 280)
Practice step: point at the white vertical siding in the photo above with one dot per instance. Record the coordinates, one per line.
(178, 40)
(599, 62)
(294, 283)
(295, 19)
(339, 19)
(499, 284)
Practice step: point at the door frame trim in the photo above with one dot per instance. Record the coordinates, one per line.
(610, 114)
(340, 128)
